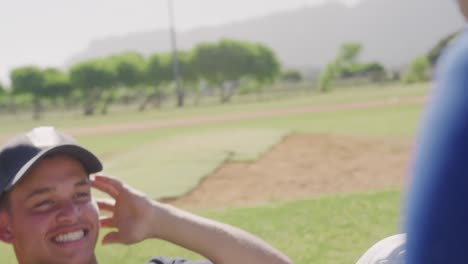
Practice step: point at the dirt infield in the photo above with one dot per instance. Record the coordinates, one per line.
(305, 165)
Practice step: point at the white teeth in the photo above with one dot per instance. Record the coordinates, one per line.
(69, 237)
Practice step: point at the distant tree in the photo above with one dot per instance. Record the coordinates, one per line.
(29, 80)
(349, 53)
(267, 66)
(127, 70)
(130, 68)
(206, 61)
(92, 78)
(3, 93)
(374, 70)
(189, 74)
(292, 76)
(188, 71)
(327, 75)
(418, 70)
(2, 90)
(56, 84)
(226, 63)
(157, 74)
(8, 97)
(177, 78)
(235, 60)
(346, 65)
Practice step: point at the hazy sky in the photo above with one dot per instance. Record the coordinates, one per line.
(47, 32)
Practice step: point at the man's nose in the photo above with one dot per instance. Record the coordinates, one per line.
(69, 212)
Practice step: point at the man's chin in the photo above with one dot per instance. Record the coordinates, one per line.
(81, 251)
(75, 258)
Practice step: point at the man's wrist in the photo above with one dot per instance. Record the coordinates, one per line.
(160, 223)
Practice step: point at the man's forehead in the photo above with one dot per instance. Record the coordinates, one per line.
(75, 179)
(37, 188)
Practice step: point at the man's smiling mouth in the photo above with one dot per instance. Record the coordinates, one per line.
(70, 237)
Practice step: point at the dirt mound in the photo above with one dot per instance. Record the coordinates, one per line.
(305, 165)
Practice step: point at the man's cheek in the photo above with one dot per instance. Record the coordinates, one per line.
(91, 210)
(30, 227)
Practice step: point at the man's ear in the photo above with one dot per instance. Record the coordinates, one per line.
(6, 234)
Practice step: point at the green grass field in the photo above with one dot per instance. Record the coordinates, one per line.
(73, 119)
(169, 161)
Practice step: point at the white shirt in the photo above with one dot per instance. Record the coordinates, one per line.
(390, 250)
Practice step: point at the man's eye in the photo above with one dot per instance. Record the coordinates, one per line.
(82, 195)
(44, 203)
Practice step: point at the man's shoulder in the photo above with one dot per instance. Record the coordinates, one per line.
(454, 60)
(166, 260)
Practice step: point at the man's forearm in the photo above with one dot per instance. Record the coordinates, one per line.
(220, 243)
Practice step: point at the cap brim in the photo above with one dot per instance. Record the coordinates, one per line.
(89, 161)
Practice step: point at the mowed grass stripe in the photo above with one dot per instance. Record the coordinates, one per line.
(175, 165)
(75, 121)
(170, 162)
(398, 121)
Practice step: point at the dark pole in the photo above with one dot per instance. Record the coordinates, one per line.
(175, 61)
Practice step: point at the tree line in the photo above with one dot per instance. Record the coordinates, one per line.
(346, 65)
(96, 83)
(224, 66)
(422, 67)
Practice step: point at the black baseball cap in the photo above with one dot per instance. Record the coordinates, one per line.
(21, 153)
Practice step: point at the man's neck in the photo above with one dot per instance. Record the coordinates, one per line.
(91, 261)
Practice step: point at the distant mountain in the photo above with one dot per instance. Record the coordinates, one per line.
(392, 31)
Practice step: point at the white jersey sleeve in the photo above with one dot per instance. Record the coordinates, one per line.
(390, 250)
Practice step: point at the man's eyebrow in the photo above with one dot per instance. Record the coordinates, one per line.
(39, 191)
(83, 182)
(44, 190)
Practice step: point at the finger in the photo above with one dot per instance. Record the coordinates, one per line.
(111, 238)
(117, 184)
(102, 186)
(106, 205)
(107, 222)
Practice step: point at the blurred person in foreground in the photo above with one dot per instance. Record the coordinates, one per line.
(48, 214)
(437, 211)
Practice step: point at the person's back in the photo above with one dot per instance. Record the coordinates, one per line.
(438, 201)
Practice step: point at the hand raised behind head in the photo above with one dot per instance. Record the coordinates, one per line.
(132, 212)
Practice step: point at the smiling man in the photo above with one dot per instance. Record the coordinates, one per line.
(48, 215)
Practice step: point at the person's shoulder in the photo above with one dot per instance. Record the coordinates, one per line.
(166, 260)
(455, 59)
(390, 250)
